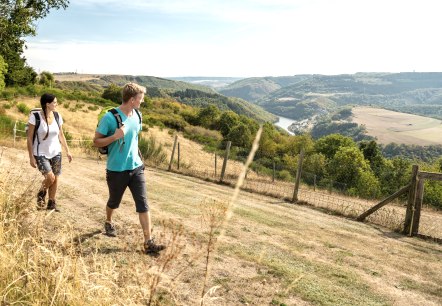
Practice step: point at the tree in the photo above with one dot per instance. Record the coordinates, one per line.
(113, 93)
(46, 78)
(240, 136)
(208, 116)
(330, 144)
(349, 167)
(17, 20)
(3, 69)
(373, 154)
(227, 121)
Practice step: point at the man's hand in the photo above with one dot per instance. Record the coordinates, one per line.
(119, 133)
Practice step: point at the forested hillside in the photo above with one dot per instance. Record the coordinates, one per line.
(183, 92)
(411, 92)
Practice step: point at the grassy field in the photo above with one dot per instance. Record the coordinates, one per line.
(270, 253)
(389, 126)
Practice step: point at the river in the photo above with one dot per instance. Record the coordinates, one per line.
(285, 123)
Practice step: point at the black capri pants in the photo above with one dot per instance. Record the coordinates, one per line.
(117, 183)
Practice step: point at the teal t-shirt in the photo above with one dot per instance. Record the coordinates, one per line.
(123, 153)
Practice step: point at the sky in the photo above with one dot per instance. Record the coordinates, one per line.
(239, 38)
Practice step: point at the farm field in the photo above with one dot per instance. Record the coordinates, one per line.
(401, 128)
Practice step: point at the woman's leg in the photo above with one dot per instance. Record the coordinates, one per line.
(53, 187)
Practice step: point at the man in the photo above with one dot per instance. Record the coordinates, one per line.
(124, 165)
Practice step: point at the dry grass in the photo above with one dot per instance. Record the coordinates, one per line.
(389, 126)
(271, 253)
(78, 77)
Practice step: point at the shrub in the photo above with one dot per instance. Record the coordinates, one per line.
(152, 151)
(284, 175)
(23, 108)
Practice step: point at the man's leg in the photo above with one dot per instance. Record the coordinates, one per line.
(117, 183)
(109, 212)
(146, 225)
(137, 186)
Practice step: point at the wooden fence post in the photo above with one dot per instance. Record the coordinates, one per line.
(298, 176)
(15, 131)
(417, 207)
(226, 157)
(215, 164)
(178, 156)
(411, 200)
(383, 203)
(173, 152)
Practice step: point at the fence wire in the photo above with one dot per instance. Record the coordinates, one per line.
(328, 195)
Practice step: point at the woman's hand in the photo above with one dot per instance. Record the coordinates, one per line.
(33, 162)
(69, 156)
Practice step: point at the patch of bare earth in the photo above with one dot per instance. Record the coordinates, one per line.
(273, 252)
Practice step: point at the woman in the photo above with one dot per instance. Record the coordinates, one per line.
(45, 148)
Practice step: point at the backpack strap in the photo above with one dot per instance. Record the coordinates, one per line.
(139, 114)
(117, 117)
(37, 125)
(139, 118)
(57, 118)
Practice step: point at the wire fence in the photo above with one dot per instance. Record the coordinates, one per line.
(331, 196)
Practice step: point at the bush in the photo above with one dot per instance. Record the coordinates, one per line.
(152, 151)
(284, 175)
(23, 108)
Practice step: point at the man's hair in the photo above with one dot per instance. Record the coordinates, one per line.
(130, 90)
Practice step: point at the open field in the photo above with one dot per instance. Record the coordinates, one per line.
(389, 126)
(78, 77)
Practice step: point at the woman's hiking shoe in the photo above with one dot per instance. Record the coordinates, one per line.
(110, 229)
(150, 247)
(41, 199)
(52, 205)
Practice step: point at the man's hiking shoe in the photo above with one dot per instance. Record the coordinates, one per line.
(150, 247)
(110, 229)
(52, 205)
(41, 199)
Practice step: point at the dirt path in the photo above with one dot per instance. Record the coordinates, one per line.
(272, 251)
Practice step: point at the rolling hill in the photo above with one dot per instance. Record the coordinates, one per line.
(184, 92)
(306, 95)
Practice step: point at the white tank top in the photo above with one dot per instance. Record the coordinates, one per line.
(51, 146)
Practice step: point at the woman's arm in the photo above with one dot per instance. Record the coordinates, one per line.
(64, 143)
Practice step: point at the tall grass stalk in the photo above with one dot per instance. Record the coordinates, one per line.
(229, 211)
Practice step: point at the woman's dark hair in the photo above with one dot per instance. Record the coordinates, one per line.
(45, 99)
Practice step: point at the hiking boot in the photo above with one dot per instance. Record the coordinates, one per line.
(110, 229)
(150, 247)
(52, 205)
(41, 199)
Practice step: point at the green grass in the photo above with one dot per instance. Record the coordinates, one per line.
(314, 281)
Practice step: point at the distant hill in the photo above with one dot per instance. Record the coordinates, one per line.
(253, 89)
(214, 82)
(187, 93)
(303, 96)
